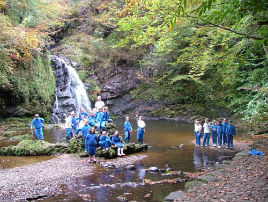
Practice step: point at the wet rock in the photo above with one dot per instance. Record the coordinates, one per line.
(175, 195)
(153, 169)
(160, 170)
(181, 146)
(149, 195)
(169, 169)
(130, 167)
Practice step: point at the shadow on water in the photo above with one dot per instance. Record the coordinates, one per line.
(124, 185)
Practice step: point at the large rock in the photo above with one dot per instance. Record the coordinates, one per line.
(34, 148)
(175, 195)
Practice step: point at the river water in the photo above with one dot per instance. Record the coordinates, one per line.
(124, 185)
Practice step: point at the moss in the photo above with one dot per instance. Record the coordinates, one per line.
(21, 137)
(194, 183)
(34, 148)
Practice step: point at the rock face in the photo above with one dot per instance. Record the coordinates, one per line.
(70, 91)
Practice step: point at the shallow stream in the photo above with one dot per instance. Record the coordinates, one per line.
(123, 185)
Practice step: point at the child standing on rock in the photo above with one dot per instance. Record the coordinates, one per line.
(37, 123)
(91, 144)
(140, 130)
(127, 130)
(117, 142)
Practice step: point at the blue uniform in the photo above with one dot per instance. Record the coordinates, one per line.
(82, 113)
(105, 142)
(230, 132)
(91, 143)
(85, 129)
(37, 123)
(219, 134)
(214, 133)
(100, 121)
(117, 141)
(127, 129)
(224, 137)
(74, 125)
(91, 120)
(106, 117)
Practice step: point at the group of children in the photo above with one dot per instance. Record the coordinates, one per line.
(86, 124)
(222, 133)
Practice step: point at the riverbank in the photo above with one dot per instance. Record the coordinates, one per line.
(43, 179)
(241, 179)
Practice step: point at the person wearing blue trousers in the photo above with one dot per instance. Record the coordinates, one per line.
(224, 127)
(68, 127)
(105, 142)
(37, 123)
(85, 129)
(117, 142)
(106, 115)
(91, 141)
(99, 120)
(214, 133)
(197, 132)
(140, 130)
(127, 130)
(74, 123)
(230, 133)
(207, 128)
(219, 134)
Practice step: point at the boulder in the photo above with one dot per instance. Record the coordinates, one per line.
(130, 167)
(153, 169)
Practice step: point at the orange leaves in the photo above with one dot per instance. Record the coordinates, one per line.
(127, 9)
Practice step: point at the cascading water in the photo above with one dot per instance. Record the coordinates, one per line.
(70, 91)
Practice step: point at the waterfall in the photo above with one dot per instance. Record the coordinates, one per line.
(70, 93)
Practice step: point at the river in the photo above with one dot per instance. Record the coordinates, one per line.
(123, 185)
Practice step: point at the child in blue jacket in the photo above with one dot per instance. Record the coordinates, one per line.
(219, 134)
(230, 133)
(117, 142)
(100, 122)
(214, 133)
(105, 142)
(127, 130)
(37, 123)
(224, 127)
(85, 129)
(91, 144)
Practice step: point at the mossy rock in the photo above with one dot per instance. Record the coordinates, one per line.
(194, 183)
(106, 153)
(34, 148)
(21, 137)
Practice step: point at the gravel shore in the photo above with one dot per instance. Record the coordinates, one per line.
(244, 178)
(43, 179)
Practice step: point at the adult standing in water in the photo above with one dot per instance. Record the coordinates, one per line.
(37, 123)
(99, 104)
(140, 130)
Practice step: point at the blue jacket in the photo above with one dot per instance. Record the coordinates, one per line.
(105, 139)
(219, 130)
(37, 123)
(85, 129)
(116, 140)
(230, 130)
(91, 120)
(91, 139)
(127, 126)
(106, 116)
(74, 121)
(99, 117)
(214, 128)
(82, 113)
(224, 127)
